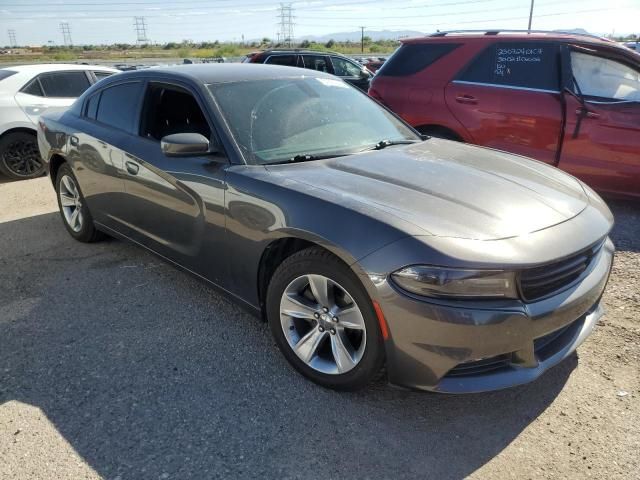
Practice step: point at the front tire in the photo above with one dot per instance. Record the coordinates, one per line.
(73, 207)
(19, 156)
(323, 321)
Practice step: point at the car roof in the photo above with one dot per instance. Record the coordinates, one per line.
(227, 72)
(299, 51)
(56, 67)
(491, 35)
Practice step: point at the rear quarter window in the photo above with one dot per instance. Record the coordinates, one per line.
(517, 64)
(6, 73)
(413, 57)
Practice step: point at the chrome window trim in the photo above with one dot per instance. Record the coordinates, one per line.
(510, 87)
(610, 102)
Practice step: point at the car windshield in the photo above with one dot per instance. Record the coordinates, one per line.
(275, 120)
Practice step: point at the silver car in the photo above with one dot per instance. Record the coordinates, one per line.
(362, 243)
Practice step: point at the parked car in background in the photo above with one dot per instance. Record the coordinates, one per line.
(346, 68)
(25, 93)
(569, 100)
(459, 268)
(374, 65)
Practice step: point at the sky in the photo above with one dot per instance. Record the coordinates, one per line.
(103, 22)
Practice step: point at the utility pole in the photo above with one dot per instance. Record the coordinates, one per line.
(286, 23)
(140, 26)
(530, 17)
(362, 39)
(12, 38)
(66, 34)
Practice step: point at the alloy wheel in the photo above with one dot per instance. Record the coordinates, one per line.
(22, 158)
(71, 203)
(323, 324)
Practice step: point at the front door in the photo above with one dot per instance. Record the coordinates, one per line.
(509, 98)
(602, 135)
(351, 72)
(176, 204)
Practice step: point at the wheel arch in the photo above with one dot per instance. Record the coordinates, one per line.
(440, 131)
(55, 162)
(9, 131)
(280, 249)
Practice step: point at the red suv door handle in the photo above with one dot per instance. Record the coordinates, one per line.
(468, 99)
(587, 113)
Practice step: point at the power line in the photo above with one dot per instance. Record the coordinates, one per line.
(140, 26)
(12, 38)
(66, 33)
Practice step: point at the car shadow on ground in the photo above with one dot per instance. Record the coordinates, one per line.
(146, 371)
(626, 232)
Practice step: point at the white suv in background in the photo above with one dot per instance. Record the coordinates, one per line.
(25, 93)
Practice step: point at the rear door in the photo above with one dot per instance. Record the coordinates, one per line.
(508, 97)
(602, 136)
(52, 92)
(98, 150)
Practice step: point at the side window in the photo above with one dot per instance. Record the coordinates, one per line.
(101, 75)
(33, 88)
(118, 106)
(344, 68)
(516, 64)
(412, 58)
(169, 109)
(315, 62)
(605, 78)
(286, 60)
(64, 84)
(91, 109)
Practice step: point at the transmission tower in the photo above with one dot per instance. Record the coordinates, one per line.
(141, 30)
(286, 23)
(66, 33)
(12, 38)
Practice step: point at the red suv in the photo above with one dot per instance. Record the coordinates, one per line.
(569, 100)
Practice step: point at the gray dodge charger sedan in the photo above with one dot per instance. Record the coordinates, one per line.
(367, 248)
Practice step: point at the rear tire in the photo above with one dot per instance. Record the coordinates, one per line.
(340, 347)
(73, 207)
(19, 156)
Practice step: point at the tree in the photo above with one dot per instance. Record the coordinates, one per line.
(330, 44)
(305, 44)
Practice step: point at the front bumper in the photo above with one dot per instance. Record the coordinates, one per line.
(431, 343)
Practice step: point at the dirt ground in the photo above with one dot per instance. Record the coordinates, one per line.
(115, 365)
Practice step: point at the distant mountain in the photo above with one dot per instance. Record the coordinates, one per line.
(375, 35)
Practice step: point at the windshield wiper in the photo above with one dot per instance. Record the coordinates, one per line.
(306, 158)
(387, 143)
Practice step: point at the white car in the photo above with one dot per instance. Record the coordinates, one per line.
(25, 93)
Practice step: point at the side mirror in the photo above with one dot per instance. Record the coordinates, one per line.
(185, 145)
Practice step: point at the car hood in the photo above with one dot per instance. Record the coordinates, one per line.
(447, 189)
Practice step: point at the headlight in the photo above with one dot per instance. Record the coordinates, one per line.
(453, 282)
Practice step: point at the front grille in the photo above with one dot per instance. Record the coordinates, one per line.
(539, 282)
(478, 367)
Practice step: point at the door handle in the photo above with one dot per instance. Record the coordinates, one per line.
(132, 168)
(586, 113)
(467, 99)
(73, 140)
